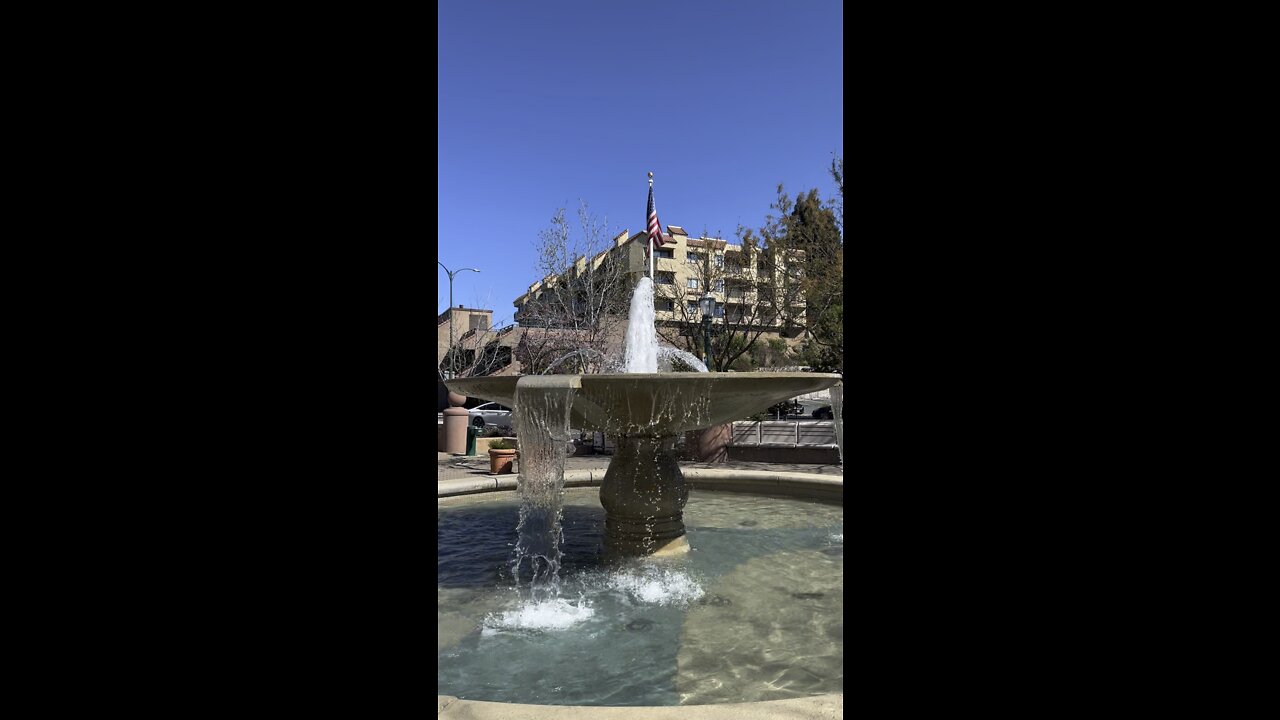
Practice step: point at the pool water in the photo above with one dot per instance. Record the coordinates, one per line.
(753, 612)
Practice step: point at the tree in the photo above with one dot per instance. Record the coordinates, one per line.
(817, 227)
(573, 319)
(762, 288)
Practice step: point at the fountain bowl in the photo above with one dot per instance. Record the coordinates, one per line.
(661, 404)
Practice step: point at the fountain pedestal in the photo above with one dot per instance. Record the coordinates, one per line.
(643, 494)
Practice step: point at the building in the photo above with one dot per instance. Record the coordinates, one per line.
(755, 298)
(752, 293)
(460, 321)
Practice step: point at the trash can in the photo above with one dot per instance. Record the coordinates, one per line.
(472, 432)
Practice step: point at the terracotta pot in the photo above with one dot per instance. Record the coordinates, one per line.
(500, 461)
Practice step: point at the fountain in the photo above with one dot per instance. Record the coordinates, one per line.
(643, 495)
(644, 491)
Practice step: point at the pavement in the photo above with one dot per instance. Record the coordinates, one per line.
(462, 467)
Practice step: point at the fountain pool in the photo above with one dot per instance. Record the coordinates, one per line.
(753, 613)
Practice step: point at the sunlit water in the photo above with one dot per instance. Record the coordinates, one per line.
(753, 612)
(642, 336)
(667, 355)
(542, 424)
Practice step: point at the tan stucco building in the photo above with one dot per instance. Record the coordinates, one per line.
(682, 276)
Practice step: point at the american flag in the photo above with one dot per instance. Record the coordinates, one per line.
(653, 228)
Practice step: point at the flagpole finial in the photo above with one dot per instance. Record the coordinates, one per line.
(650, 177)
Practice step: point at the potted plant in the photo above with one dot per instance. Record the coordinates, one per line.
(501, 453)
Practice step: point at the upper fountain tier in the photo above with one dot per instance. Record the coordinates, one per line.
(660, 404)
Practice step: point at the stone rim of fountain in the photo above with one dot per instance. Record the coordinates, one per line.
(830, 705)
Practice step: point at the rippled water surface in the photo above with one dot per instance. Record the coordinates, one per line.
(754, 612)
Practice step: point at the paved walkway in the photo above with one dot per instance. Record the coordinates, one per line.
(461, 467)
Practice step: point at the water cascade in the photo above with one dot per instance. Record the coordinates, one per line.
(542, 424)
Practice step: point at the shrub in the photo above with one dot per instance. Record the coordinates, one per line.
(502, 445)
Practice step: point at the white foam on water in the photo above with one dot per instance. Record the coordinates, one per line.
(838, 538)
(668, 587)
(555, 614)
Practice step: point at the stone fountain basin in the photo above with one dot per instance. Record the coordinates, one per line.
(660, 404)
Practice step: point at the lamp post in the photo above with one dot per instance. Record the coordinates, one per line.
(708, 306)
(451, 273)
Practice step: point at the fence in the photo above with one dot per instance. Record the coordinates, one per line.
(785, 433)
(768, 433)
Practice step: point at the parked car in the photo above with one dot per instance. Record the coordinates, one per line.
(490, 413)
(785, 410)
(824, 413)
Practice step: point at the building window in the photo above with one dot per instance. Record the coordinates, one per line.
(720, 286)
(665, 278)
(719, 310)
(691, 283)
(692, 258)
(691, 306)
(664, 253)
(666, 305)
(719, 260)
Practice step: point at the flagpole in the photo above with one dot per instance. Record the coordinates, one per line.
(650, 248)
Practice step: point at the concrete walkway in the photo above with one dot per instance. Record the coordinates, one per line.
(462, 467)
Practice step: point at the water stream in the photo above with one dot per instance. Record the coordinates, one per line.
(542, 424)
(667, 355)
(642, 334)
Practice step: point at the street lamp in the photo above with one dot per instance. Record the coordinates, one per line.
(451, 273)
(708, 306)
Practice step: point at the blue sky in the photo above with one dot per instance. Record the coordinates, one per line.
(541, 104)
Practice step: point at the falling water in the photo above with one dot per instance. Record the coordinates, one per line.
(542, 423)
(667, 354)
(837, 412)
(642, 338)
(575, 353)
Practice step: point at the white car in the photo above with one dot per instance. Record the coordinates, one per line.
(490, 414)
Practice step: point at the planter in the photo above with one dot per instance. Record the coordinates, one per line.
(500, 461)
(482, 444)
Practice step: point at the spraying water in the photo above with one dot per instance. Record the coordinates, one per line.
(580, 352)
(642, 337)
(667, 356)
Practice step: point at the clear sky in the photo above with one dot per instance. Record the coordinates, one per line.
(541, 104)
